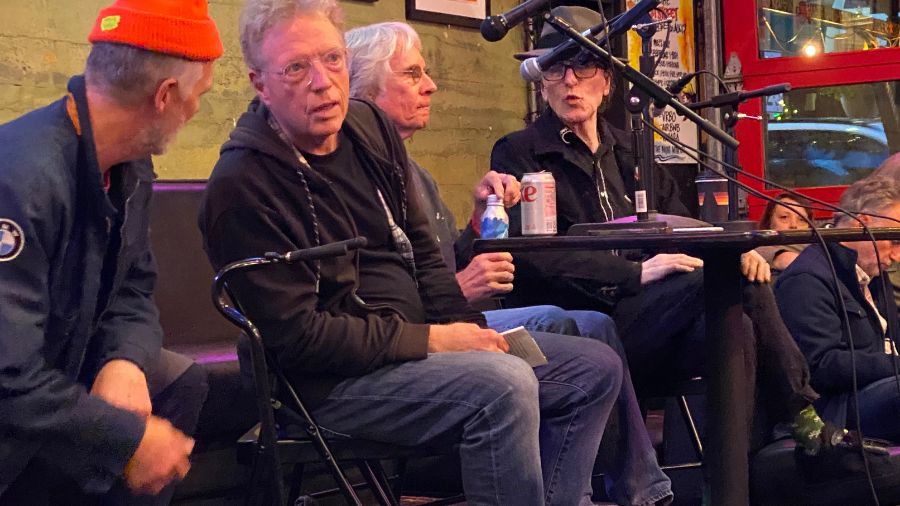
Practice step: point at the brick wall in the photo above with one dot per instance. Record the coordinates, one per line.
(480, 96)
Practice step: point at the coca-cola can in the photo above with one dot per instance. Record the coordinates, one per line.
(538, 203)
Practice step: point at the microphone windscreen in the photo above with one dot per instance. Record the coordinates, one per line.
(530, 69)
(493, 29)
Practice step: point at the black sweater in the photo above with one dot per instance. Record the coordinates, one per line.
(580, 279)
(256, 202)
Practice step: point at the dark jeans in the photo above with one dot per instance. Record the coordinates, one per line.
(879, 409)
(626, 458)
(526, 436)
(52, 477)
(663, 330)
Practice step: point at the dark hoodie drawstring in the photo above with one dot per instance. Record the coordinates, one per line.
(309, 200)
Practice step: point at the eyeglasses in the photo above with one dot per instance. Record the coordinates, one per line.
(557, 71)
(414, 73)
(334, 60)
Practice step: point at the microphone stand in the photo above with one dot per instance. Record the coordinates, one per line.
(643, 90)
(727, 103)
(638, 106)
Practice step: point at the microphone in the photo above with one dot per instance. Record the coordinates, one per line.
(315, 253)
(532, 68)
(737, 97)
(775, 89)
(675, 87)
(494, 28)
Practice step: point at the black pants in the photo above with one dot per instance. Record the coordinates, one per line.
(177, 390)
(663, 330)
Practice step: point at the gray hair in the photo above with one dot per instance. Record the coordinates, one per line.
(370, 50)
(869, 195)
(259, 16)
(888, 168)
(130, 74)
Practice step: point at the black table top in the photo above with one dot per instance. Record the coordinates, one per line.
(630, 239)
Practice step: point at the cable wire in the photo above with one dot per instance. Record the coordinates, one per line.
(845, 321)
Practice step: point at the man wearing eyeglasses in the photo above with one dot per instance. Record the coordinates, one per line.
(381, 342)
(387, 67)
(657, 302)
(591, 165)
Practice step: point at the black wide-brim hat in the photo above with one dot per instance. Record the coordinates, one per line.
(581, 19)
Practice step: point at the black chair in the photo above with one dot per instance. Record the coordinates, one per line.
(300, 441)
(680, 390)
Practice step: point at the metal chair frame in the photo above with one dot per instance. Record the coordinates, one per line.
(680, 391)
(267, 444)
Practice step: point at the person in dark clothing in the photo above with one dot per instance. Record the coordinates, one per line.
(890, 168)
(381, 342)
(657, 302)
(836, 352)
(387, 67)
(90, 408)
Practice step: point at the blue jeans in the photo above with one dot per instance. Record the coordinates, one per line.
(879, 409)
(627, 458)
(526, 436)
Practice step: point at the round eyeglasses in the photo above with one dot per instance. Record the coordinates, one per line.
(414, 73)
(334, 60)
(557, 71)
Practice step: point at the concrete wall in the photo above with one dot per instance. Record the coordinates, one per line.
(480, 97)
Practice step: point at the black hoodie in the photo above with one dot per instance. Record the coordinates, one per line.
(256, 202)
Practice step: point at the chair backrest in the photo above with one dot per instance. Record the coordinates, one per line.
(182, 289)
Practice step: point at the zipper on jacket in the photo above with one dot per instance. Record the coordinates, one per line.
(111, 297)
(110, 300)
(602, 194)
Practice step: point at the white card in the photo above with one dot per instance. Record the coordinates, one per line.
(523, 345)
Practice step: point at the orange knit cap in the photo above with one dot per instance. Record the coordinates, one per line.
(176, 27)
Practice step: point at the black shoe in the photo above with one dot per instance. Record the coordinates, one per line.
(838, 471)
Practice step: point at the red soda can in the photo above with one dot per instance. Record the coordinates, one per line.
(538, 203)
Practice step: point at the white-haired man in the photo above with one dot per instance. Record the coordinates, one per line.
(87, 399)
(890, 168)
(387, 67)
(848, 349)
(382, 342)
(810, 309)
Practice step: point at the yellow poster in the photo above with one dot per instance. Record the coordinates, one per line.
(676, 58)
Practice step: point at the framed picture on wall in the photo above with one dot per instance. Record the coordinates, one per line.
(449, 12)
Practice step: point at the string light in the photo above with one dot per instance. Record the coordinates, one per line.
(810, 50)
(815, 44)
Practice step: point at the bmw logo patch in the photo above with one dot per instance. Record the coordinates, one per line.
(11, 240)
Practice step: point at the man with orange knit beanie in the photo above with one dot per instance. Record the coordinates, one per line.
(91, 409)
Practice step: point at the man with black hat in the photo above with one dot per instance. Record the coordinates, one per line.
(87, 400)
(586, 157)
